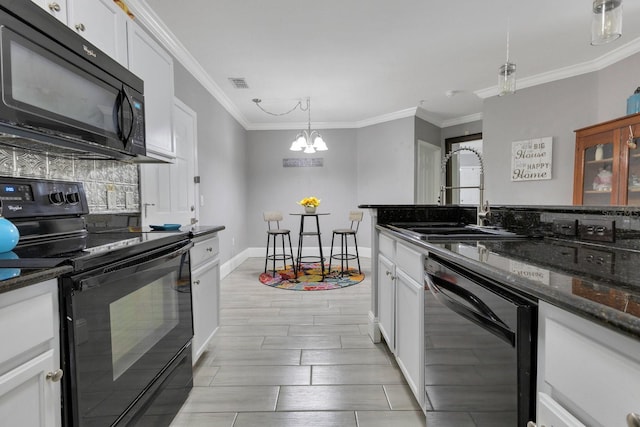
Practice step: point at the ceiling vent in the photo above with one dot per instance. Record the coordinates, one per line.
(239, 82)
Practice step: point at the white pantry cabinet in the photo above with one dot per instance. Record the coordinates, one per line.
(149, 61)
(205, 292)
(401, 308)
(587, 374)
(30, 357)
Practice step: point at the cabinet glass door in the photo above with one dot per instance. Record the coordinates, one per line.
(599, 180)
(630, 145)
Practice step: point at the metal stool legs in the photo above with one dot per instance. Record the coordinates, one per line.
(283, 256)
(344, 256)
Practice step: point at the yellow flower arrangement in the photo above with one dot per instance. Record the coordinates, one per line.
(310, 202)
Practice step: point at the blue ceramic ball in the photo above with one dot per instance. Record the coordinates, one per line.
(8, 273)
(9, 235)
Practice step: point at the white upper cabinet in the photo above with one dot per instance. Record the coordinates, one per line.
(102, 23)
(57, 8)
(149, 61)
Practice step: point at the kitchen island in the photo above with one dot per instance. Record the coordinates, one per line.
(587, 290)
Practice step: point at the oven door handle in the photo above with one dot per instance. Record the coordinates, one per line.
(484, 316)
(147, 261)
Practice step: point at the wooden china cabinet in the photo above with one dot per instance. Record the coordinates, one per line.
(607, 163)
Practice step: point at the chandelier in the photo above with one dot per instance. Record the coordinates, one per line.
(306, 140)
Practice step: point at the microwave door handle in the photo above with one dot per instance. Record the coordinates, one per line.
(126, 98)
(496, 327)
(121, 100)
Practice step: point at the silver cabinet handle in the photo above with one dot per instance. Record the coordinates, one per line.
(391, 276)
(80, 27)
(146, 206)
(196, 282)
(209, 249)
(633, 419)
(54, 7)
(55, 376)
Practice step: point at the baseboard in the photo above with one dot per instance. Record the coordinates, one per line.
(234, 262)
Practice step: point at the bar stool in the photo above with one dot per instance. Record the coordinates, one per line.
(344, 256)
(273, 219)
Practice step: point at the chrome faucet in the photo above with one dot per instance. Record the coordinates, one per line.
(483, 207)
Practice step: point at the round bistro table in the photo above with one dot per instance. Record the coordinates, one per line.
(303, 233)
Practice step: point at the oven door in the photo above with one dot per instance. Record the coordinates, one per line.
(479, 349)
(125, 324)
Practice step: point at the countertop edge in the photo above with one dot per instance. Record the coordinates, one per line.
(32, 278)
(203, 230)
(606, 316)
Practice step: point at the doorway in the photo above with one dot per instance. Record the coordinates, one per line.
(168, 192)
(463, 170)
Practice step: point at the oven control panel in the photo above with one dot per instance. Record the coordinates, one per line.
(27, 198)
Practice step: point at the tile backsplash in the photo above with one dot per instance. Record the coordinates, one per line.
(98, 176)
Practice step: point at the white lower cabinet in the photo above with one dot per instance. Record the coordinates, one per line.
(205, 293)
(387, 301)
(401, 309)
(410, 332)
(30, 357)
(587, 374)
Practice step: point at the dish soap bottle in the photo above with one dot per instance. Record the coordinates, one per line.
(9, 234)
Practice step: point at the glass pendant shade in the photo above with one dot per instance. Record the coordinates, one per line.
(299, 143)
(606, 23)
(507, 79)
(309, 149)
(319, 144)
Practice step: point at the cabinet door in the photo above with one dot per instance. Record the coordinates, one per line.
(410, 332)
(206, 296)
(386, 300)
(103, 24)
(630, 173)
(57, 8)
(597, 169)
(149, 61)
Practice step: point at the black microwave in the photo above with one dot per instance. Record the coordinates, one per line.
(63, 95)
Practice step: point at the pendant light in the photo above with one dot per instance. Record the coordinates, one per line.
(606, 21)
(507, 74)
(307, 140)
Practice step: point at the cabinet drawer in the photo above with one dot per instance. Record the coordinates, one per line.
(204, 250)
(26, 320)
(592, 368)
(387, 246)
(410, 262)
(552, 414)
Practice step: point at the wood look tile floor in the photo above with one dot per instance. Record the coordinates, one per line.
(296, 359)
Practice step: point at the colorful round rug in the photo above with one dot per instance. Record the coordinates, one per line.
(310, 278)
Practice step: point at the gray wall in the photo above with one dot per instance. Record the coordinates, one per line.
(222, 164)
(274, 187)
(554, 109)
(386, 156)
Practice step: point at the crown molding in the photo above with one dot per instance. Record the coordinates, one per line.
(152, 22)
(597, 64)
(462, 120)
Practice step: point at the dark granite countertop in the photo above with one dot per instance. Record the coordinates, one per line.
(202, 230)
(550, 270)
(15, 278)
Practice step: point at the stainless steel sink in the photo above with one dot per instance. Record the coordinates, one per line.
(456, 232)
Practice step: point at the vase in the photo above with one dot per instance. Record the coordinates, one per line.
(599, 152)
(310, 209)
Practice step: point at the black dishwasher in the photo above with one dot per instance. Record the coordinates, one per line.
(480, 343)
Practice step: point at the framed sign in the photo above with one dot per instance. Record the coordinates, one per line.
(306, 162)
(531, 159)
